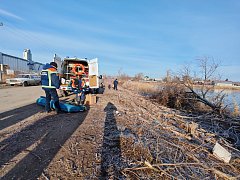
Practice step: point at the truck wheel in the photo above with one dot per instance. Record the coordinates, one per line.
(25, 84)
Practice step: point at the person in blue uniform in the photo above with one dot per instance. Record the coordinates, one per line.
(50, 83)
(115, 84)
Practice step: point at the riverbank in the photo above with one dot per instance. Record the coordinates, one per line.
(232, 88)
(123, 136)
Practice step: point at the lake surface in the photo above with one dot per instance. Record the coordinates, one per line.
(232, 96)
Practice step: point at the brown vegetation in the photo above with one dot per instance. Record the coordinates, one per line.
(173, 95)
(123, 136)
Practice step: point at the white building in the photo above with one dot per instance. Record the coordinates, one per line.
(223, 83)
(27, 54)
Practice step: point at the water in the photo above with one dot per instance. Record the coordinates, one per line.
(232, 97)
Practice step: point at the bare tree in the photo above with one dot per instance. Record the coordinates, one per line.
(208, 67)
(168, 77)
(120, 72)
(138, 77)
(122, 76)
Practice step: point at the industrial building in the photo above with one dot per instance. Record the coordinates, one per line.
(223, 83)
(10, 65)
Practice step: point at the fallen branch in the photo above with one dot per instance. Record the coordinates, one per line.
(149, 166)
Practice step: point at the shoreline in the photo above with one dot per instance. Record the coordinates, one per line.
(237, 88)
(234, 88)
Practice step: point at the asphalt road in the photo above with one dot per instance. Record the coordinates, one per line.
(15, 97)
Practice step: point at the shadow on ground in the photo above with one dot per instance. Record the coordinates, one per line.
(111, 148)
(11, 117)
(40, 142)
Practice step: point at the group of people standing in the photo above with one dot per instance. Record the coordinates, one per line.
(51, 82)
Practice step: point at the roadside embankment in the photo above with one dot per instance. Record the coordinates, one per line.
(123, 136)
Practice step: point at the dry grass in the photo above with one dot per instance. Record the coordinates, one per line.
(160, 143)
(142, 87)
(163, 143)
(173, 95)
(235, 112)
(170, 95)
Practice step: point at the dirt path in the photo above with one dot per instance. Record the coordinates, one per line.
(115, 137)
(30, 139)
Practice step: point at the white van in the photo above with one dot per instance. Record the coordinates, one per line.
(70, 68)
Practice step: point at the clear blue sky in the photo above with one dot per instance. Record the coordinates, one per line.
(148, 36)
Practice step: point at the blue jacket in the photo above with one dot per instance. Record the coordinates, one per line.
(49, 77)
(115, 82)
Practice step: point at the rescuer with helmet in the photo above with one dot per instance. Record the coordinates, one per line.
(50, 82)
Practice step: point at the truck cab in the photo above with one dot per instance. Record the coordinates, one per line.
(70, 68)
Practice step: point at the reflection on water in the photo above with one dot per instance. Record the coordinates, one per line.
(232, 97)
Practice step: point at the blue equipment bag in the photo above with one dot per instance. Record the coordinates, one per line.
(64, 106)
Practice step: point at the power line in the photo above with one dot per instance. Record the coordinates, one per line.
(31, 38)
